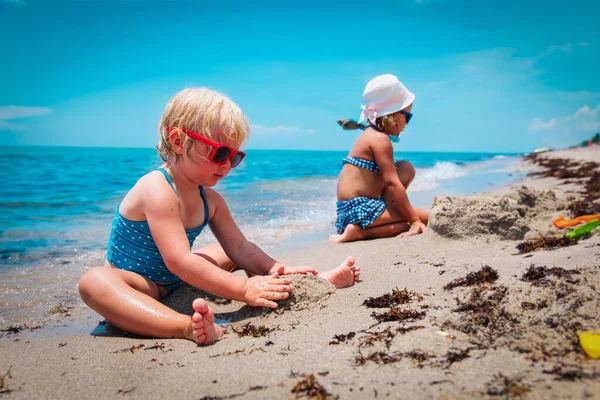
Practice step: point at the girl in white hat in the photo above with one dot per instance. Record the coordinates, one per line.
(372, 200)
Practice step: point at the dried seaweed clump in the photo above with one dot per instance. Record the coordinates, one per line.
(397, 297)
(583, 207)
(3, 387)
(545, 243)
(564, 372)
(398, 314)
(486, 274)
(538, 276)
(342, 338)
(563, 168)
(507, 387)
(484, 317)
(592, 187)
(251, 330)
(310, 387)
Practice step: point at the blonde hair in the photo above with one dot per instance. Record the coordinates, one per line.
(386, 123)
(205, 112)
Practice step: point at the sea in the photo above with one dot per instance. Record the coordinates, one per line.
(57, 204)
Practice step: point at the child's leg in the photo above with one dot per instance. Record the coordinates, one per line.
(388, 224)
(344, 275)
(130, 302)
(406, 172)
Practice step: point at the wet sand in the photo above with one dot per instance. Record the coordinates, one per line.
(458, 312)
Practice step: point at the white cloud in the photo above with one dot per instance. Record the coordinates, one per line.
(539, 125)
(278, 129)
(564, 48)
(586, 120)
(16, 112)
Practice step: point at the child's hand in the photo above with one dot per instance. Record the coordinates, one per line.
(262, 290)
(415, 228)
(293, 270)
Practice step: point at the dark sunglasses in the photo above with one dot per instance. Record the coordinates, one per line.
(220, 153)
(407, 115)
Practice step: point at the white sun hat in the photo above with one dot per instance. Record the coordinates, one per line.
(384, 95)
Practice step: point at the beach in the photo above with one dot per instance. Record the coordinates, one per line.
(457, 312)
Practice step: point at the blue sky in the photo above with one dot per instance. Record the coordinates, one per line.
(496, 76)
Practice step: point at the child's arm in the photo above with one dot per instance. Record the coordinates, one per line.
(241, 251)
(163, 216)
(383, 153)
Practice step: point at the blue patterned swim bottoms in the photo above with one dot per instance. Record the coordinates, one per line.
(359, 210)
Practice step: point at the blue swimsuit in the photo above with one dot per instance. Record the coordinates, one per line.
(359, 210)
(131, 246)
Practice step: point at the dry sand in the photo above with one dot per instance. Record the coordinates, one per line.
(513, 336)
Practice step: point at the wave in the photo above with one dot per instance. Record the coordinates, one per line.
(430, 178)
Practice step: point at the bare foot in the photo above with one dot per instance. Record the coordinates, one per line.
(345, 275)
(205, 331)
(351, 233)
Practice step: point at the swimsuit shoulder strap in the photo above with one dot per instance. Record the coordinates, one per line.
(205, 206)
(166, 174)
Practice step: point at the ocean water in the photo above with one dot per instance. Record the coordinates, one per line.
(57, 203)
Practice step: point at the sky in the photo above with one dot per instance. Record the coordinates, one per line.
(489, 76)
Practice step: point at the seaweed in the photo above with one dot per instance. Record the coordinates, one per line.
(583, 207)
(545, 242)
(398, 314)
(378, 357)
(538, 276)
(131, 349)
(14, 329)
(397, 297)
(384, 336)
(251, 330)
(563, 168)
(507, 387)
(158, 346)
(483, 315)
(310, 387)
(342, 338)
(456, 356)
(61, 308)
(3, 387)
(486, 274)
(563, 372)
(418, 356)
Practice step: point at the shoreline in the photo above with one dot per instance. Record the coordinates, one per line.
(333, 343)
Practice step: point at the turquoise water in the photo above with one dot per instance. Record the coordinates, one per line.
(58, 200)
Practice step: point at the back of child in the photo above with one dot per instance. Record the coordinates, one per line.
(372, 199)
(150, 247)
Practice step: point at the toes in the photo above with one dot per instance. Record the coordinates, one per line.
(197, 318)
(200, 306)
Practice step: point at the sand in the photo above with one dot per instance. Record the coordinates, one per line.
(511, 334)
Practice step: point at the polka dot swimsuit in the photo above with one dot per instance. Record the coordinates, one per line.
(131, 246)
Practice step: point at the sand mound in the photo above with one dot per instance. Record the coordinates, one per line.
(508, 217)
(310, 292)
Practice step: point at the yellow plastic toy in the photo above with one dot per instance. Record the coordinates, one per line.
(590, 341)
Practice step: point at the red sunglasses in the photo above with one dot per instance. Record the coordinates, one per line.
(221, 153)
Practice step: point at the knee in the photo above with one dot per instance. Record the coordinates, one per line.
(90, 284)
(406, 172)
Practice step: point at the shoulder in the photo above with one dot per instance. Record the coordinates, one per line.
(214, 200)
(377, 141)
(153, 188)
